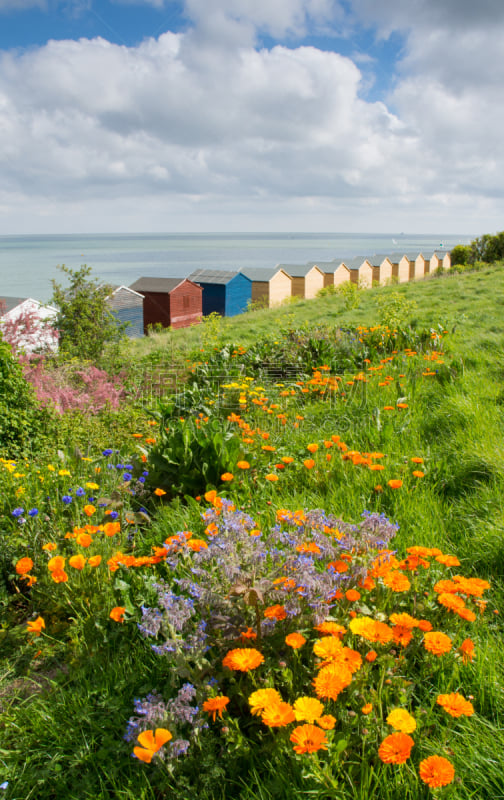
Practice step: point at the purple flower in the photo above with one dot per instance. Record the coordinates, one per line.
(80, 492)
(33, 512)
(66, 499)
(17, 512)
(107, 452)
(127, 476)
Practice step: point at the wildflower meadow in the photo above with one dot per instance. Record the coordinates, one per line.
(276, 574)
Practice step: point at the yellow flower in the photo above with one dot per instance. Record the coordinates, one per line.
(401, 720)
(308, 709)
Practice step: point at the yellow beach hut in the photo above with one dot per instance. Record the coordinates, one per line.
(307, 279)
(416, 265)
(361, 271)
(400, 267)
(270, 287)
(335, 272)
(382, 268)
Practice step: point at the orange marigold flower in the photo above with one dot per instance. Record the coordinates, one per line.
(417, 460)
(437, 643)
(331, 680)
(312, 448)
(424, 625)
(371, 656)
(111, 528)
(372, 630)
(210, 496)
(327, 722)
(328, 648)
(50, 546)
(248, 634)
(404, 619)
(396, 581)
(376, 467)
(159, 492)
(271, 477)
(56, 562)
(243, 659)
(117, 614)
(308, 739)
(77, 562)
(94, 561)
(59, 576)
(278, 715)
(215, 705)
(262, 698)
(436, 771)
(275, 612)
(395, 483)
(35, 626)
(329, 628)
(309, 463)
(367, 709)
(401, 635)
(455, 704)
(287, 459)
(24, 565)
(396, 748)
(308, 709)
(83, 539)
(89, 510)
(295, 640)
(196, 545)
(401, 720)
(451, 601)
(243, 465)
(227, 476)
(467, 650)
(352, 595)
(151, 743)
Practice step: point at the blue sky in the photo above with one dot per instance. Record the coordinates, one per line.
(250, 115)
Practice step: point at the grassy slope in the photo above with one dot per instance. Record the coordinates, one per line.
(61, 744)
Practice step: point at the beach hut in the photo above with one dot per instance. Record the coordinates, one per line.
(382, 268)
(361, 271)
(445, 257)
(127, 306)
(271, 287)
(416, 265)
(40, 320)
(307, 279)
(224, 292)
(400, 267)
(335, 272)
(170, 302)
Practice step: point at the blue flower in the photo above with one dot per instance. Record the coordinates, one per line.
(66, 499)
(113, 515)
(107, 452)
(17, 512)
(127, 476)
(80, 492)
(141, 479)
(33, 512)
(91, 499)
(145, 473)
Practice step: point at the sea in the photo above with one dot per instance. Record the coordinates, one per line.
(28, 264)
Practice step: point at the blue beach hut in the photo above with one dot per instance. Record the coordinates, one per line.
(127, 306)
(227, 293)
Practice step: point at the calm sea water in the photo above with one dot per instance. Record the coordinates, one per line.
(28, 263)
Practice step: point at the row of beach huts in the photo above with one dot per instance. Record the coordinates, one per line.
(181, 302)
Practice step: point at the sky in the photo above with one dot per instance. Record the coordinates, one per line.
(251, 115)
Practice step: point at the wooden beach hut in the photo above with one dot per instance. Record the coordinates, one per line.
(382, 268)
(127, 306)
(416, 265)
(361, 271)
(400, 267)
(269, 286)
(224, 292)
(170, 302)
(307, 279)
(445, 257)
(335, 272)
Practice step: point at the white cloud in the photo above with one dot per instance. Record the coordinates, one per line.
(202, 126)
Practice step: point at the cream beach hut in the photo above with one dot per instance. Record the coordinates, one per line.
(416, 265)
(382, 268)
(335, 272)
(307, 279)
(269, 286)
(445, 257)
(361, 271)
(400, 267)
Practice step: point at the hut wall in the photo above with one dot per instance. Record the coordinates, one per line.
(298, 287)
(185, 305)
(279, 288)
(237, 295)
(341, 275)
(314, 281)
(401, 270)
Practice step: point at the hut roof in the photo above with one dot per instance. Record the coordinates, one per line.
(8, 303)
(262, 274)
(297, 270)
(162, 285)
(355, 263)
(214, 276)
